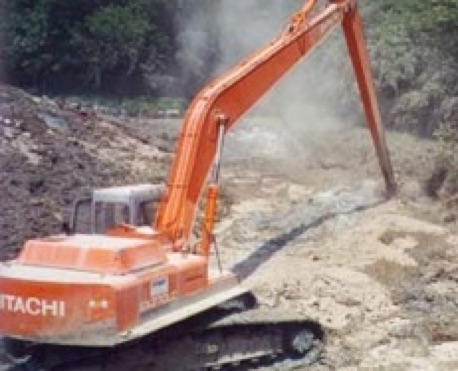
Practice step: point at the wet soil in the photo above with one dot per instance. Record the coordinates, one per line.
(379, 274)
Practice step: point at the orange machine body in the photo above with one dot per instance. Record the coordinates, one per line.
(79, 289)
(106, 289)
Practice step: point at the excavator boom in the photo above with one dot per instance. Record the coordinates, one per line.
(234, 93)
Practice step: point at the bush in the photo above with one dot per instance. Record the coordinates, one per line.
(112, 40)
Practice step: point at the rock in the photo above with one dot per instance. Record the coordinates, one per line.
(9, 133)
(54, 122)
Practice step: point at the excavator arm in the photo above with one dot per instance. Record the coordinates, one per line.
(225, 100)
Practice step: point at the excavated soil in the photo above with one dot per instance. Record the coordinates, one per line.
(52, 152)
(313, 232)
(304, 220)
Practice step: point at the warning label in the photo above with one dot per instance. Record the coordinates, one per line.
(160, 286)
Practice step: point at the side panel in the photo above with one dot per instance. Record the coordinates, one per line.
(32, 309)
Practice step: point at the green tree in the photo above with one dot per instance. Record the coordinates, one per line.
(87, 43)
(112, 40)
(27, 30)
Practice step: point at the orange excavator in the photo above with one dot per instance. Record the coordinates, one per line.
(129, 277)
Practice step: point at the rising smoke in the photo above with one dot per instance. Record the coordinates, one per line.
(219, 33)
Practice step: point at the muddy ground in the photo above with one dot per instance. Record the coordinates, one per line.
(313, 232)
(304, 220)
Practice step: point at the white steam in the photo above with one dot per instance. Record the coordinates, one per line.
(307, 100)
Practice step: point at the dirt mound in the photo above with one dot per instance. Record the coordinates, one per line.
(50, 152)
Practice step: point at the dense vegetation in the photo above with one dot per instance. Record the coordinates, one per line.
(414, 45)
(415, 53)
(87, 44)
(132, 47)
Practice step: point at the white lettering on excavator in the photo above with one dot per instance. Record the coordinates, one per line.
(32, 306)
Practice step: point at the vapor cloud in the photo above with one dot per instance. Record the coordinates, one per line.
(309, 98)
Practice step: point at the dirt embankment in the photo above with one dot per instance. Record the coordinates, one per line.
(51, 152)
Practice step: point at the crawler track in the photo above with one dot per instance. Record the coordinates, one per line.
(213, 340)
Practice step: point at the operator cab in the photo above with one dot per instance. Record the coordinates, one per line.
(107, 208)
